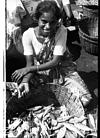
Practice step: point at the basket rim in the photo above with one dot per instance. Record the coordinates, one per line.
(89, 40)
(79, 27)
(91, 49)
(90, 37)
(88, 8)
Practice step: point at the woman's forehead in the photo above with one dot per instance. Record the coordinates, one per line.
(48, 16)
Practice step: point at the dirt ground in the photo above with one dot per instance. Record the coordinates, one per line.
(87, 66)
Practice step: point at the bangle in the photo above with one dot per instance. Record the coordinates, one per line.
(37, 67)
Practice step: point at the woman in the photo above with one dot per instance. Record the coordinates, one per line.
(47, 60)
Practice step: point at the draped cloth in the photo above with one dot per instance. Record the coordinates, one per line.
(64, 74)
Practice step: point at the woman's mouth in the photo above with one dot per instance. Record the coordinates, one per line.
(45, 30)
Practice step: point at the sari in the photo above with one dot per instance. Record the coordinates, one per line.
(64, 74)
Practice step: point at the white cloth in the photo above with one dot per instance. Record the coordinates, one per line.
(30, 42)
(65, 2)
(15, 11)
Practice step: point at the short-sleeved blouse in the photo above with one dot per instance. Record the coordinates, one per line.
(31, 43)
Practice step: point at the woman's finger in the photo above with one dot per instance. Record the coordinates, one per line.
(23, 93)
(15, 72)
(18, 77)
(13, 76)
(19, 81)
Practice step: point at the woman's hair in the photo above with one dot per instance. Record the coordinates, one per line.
(47, 6)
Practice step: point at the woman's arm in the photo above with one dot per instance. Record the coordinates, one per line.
(28, 50)
(28, 71)
(47, 65)
(18, 74)
(29, 62)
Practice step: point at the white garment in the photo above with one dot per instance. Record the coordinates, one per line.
(15, 11)
(30, 41)
(65, 2)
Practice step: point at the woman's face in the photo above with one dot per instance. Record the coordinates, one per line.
(47, 24)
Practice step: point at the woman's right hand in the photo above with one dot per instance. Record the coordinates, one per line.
(19, 73)
(24, 88)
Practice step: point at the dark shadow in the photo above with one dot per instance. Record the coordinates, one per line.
(73, 36)
(75, 50)
(14, 60)
(72, 1)
(73, 44)
(36, 97)
(91, 80)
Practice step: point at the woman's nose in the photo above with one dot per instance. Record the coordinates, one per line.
(47, 25)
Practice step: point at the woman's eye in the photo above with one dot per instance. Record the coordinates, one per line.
(44, 22)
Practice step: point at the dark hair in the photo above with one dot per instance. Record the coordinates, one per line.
(47, 6)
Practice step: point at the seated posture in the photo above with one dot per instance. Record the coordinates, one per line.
(48, 61)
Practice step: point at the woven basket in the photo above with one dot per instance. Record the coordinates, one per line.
(90, 11)
(88, 33)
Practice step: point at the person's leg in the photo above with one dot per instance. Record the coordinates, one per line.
(76, 85)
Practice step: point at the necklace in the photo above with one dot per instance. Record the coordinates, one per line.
(40, 38)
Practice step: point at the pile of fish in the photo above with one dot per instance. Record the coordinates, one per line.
(48, 122)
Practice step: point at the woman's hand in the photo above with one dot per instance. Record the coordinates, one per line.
(18, 74)
(24, 88)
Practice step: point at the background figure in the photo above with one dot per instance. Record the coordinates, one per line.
(64, 5)
(14, 48)
(68, 16)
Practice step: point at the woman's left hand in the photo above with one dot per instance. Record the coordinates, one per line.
(18, 74)
(24, 88)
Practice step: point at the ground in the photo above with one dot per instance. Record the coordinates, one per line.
(87, 66)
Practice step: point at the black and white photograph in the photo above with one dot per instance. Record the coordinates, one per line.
(50, 69)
